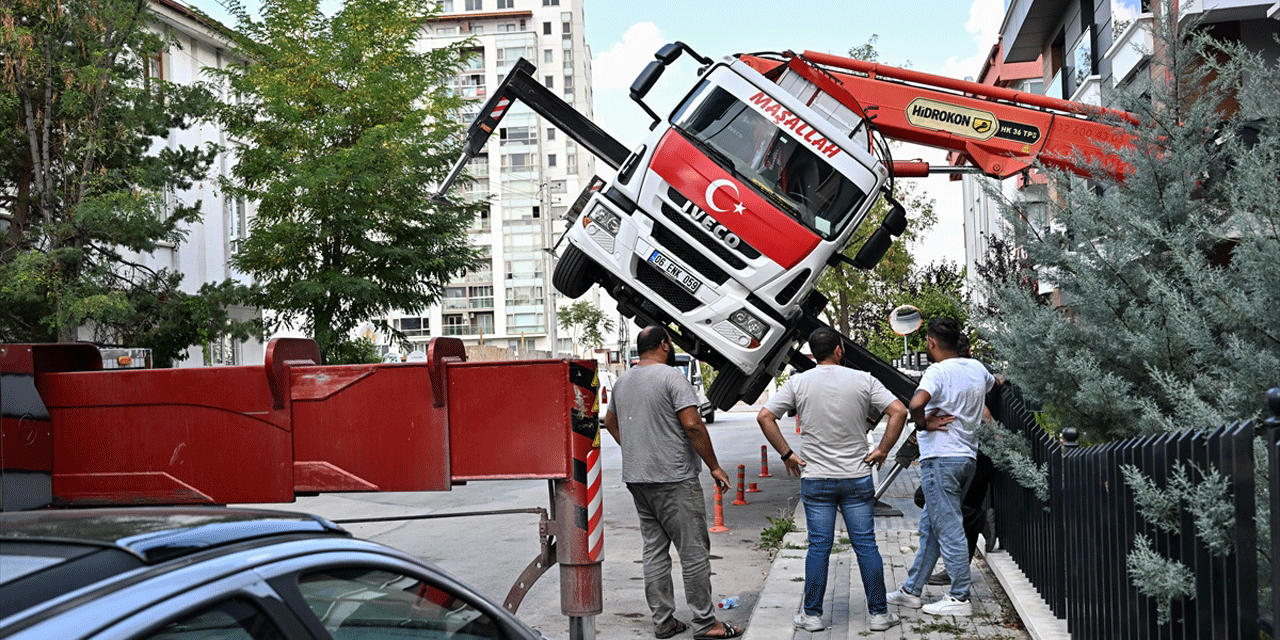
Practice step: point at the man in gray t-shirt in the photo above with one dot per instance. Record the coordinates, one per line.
(832, 403)
(653, 414)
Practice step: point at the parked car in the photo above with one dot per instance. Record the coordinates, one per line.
(689, 367)
(693, 373)
(205, 573)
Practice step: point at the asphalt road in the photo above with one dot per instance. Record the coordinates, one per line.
(490, 551)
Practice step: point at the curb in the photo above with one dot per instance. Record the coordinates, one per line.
(1036, 616)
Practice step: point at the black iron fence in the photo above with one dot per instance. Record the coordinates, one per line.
(1074, 548)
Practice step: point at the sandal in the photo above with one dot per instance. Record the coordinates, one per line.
(730, 631)
(676, 629)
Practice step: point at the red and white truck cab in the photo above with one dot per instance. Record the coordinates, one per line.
(727, 214)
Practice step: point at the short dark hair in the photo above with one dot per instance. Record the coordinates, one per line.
(650, 338)
(946, 332)
(823, 342)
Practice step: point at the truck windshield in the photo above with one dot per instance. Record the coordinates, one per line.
(783, 169)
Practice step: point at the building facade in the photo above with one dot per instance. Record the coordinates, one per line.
(530, 174)
(1082, 50)
(204, 256)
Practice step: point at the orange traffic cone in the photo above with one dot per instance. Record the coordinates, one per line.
(764, 462)
(742, 477)
(719, 527)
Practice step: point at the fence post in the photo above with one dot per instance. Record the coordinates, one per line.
(1272, 435)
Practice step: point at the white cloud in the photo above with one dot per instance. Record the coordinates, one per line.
(985, 18)
(617, 67)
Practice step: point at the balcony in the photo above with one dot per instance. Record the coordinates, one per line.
(465, 329)
(1132, 47)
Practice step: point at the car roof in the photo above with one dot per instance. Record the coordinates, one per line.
(45, 554)
(158, 534)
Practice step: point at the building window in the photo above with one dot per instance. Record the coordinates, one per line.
(518, 135)
(238, 226)
(566, 27)
(550, 3)
(416, 327)
(526, 322)
(546, 28)
(446, 6)
(477, 29)
(507, 56)
(550, 81)
(551, 159)
(509, 27)
(446, 31)
(551, 133)
(1080, 59)
(547, 55)
(506, 4)
(474, 5)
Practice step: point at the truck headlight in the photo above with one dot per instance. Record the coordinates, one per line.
(604, 218)
(754, 326)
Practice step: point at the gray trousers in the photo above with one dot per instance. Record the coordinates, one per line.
(674, 513)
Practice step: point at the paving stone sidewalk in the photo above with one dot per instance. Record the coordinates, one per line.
(845, 616)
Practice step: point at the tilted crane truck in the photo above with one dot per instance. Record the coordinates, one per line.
(719, 224)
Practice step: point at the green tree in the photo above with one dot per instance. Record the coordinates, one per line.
(1167, 283)
(345, 128)
(851, 291)
(1168, 277)
(85, 198)
(587, 322)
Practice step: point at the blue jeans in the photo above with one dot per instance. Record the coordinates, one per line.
(855, 498)
(945, 481)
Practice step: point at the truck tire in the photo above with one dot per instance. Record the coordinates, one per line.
(726, 389)
(710, 416)
(572, 275)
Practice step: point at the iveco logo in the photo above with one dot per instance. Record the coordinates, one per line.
(721, 232)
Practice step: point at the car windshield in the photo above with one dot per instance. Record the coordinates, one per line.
(782, 168)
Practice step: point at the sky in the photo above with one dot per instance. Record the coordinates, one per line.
(945, 37)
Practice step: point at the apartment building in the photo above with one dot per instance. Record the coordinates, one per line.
(530, 174)
(203, 257)
(1082, 50)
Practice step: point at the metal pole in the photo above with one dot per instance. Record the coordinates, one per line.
(582, 628)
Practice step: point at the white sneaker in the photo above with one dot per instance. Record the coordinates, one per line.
(882, 621)
(949, 606)
(809, 623)
(904, 599)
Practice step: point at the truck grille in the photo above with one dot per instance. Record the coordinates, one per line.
(663, 286)
(688, 255)
(712, 245)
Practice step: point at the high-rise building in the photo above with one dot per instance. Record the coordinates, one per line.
(531, 173)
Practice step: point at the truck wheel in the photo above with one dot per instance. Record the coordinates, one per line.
(572, 275)
(726, 389)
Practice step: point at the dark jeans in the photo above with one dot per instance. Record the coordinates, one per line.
(855, 498)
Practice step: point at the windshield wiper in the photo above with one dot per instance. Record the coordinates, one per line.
(777, 200)
(709, 150)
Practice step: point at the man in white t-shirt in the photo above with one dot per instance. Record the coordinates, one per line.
(834, 464)
(948, 406)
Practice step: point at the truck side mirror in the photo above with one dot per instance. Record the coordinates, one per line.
(644, 82)
(871, 252)
(895, 223)
(669, 52)
(647, 78)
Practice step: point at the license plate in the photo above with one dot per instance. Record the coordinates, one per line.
(674, 271)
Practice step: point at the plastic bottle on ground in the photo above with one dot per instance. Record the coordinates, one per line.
(730, 602)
